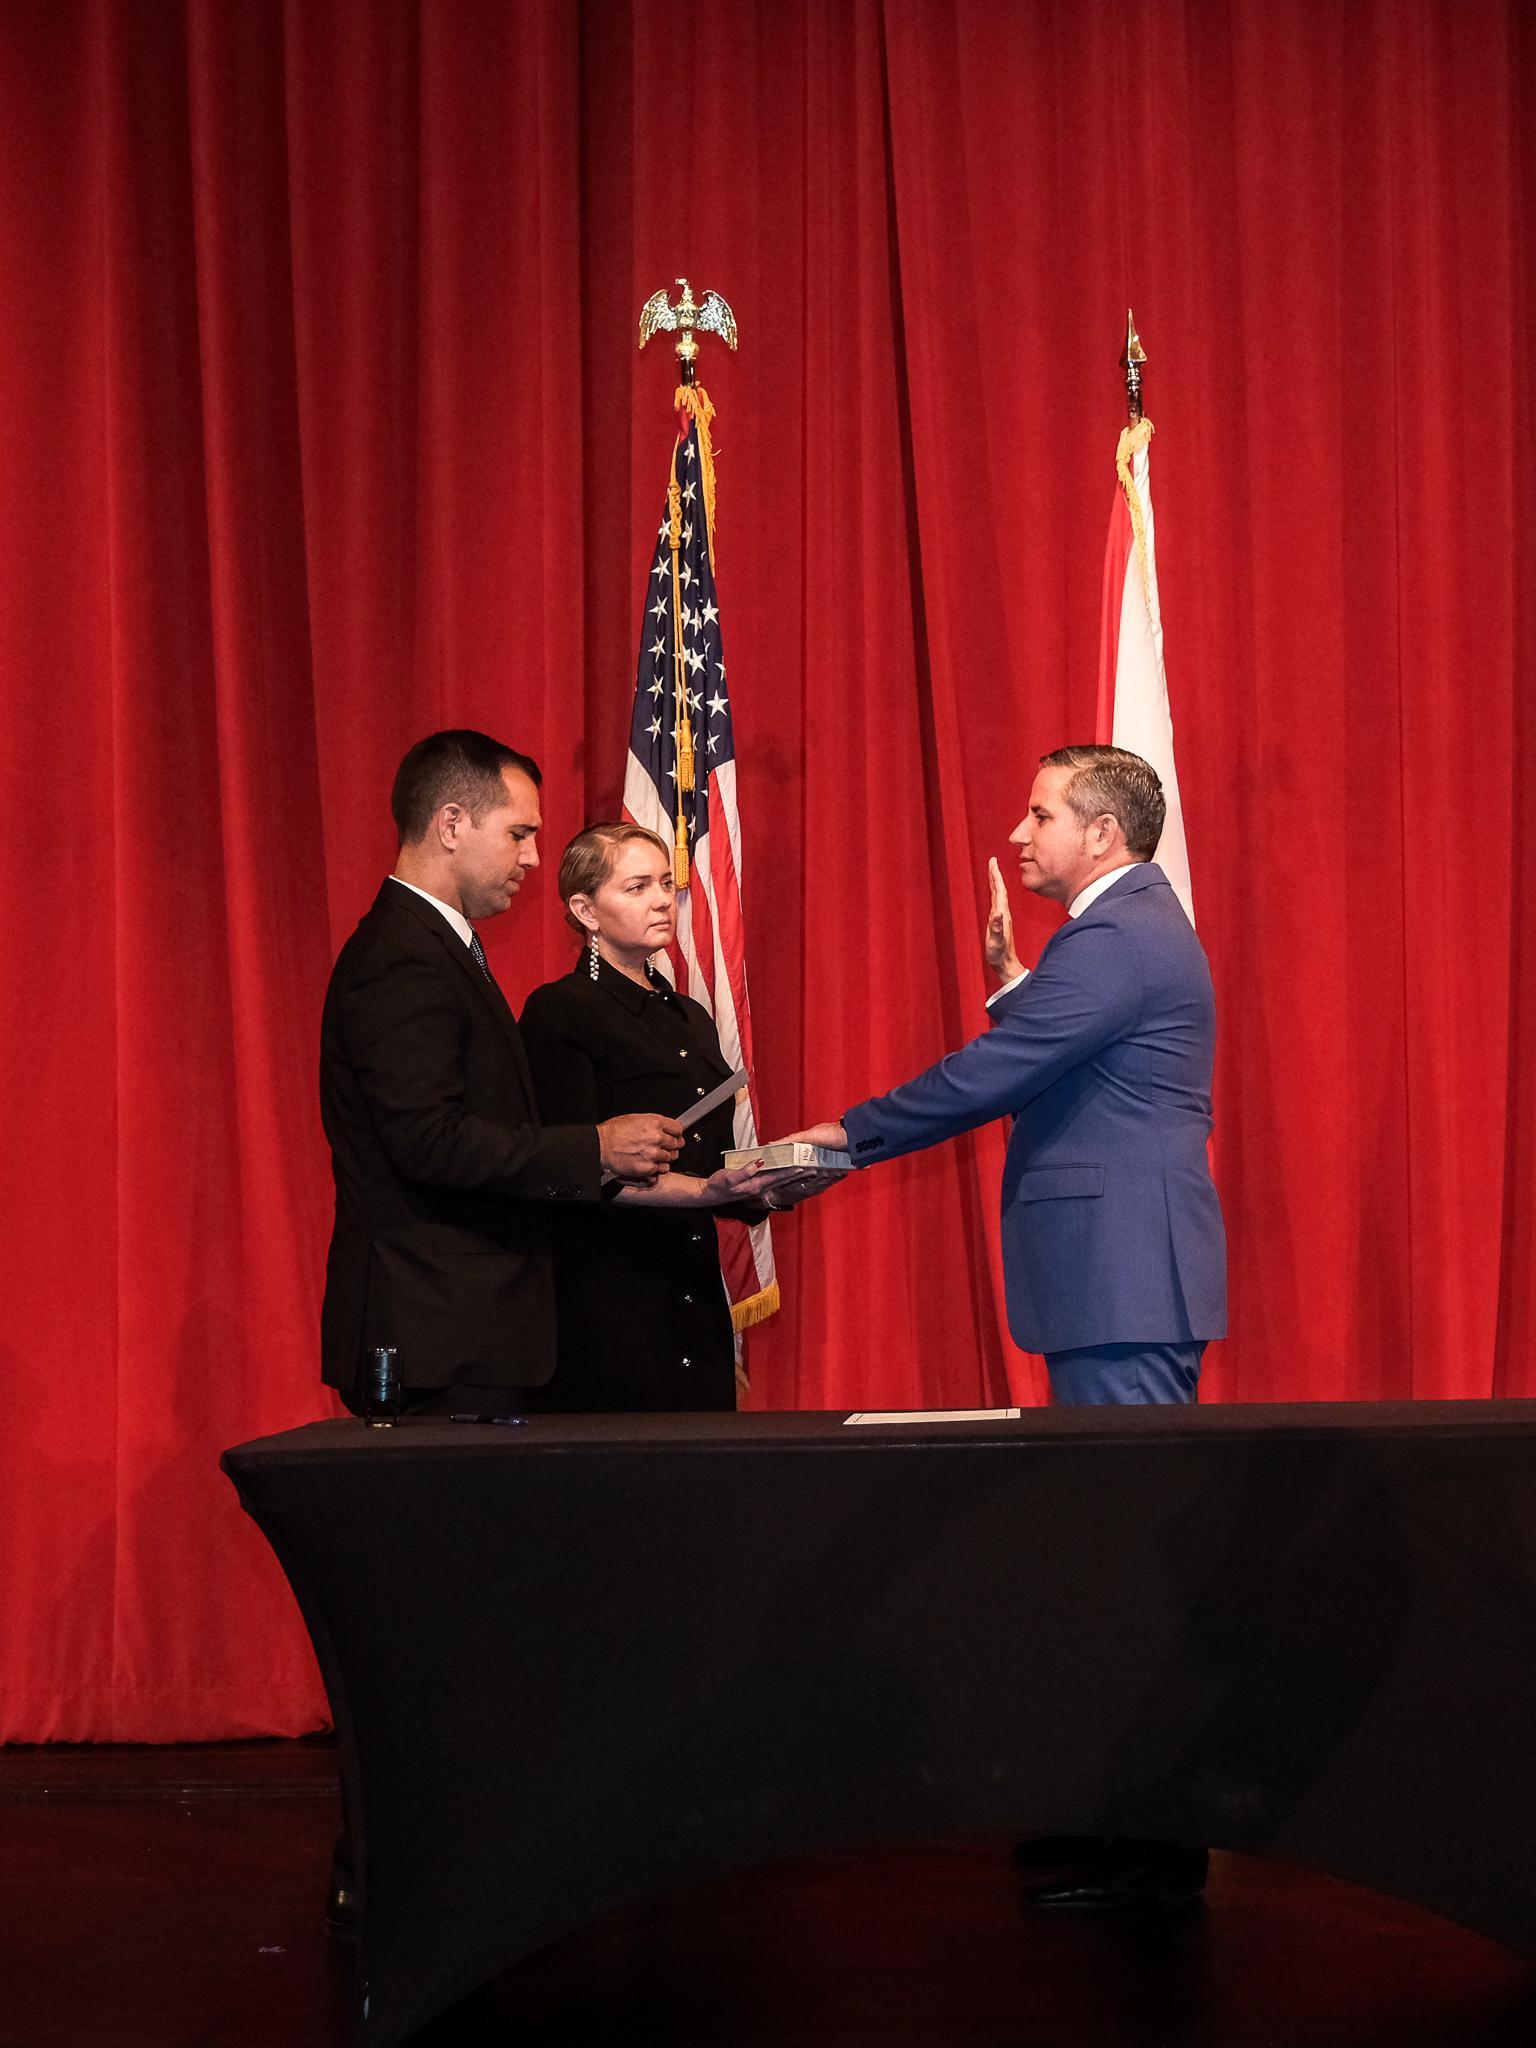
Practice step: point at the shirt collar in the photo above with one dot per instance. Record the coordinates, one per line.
(1086, 898)
(456, 918)
(629, 992)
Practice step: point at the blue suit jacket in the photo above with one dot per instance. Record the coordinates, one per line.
(1112, 1231)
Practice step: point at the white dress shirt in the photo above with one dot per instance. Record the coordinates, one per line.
(456, 918)
(1080, 902)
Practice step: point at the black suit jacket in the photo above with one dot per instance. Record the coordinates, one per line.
(443, 1172)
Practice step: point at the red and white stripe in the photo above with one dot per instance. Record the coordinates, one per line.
(708, 962)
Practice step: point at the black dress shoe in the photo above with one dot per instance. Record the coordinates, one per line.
(1117, 1876)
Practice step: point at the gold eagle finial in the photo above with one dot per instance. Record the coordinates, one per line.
(686, 318)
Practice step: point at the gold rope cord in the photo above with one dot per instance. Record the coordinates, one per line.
(1132, 441)
(683, 730)
(693, 400)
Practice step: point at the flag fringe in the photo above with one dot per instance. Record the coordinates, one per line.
(1132, 440)
(756, 1308)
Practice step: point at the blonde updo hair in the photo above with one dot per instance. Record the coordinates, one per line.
(588, 862)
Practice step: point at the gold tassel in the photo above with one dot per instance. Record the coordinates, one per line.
(680, 853)
(684, 754)
(757, 1308)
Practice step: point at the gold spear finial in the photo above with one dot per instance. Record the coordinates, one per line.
(1131, 362)
(686, 319)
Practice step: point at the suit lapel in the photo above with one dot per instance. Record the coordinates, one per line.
(490, 994)
(463, 961)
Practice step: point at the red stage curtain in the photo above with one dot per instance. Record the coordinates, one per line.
(321, 425)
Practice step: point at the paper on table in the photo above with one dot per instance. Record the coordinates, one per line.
(938, 1415)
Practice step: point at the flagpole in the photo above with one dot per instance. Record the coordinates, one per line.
(1135, 355)
(687, 376)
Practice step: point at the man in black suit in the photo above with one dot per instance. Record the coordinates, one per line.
(444, 1176)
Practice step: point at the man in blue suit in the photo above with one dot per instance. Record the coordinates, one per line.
(1113, 1249)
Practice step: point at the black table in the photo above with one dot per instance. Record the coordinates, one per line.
(576, 1664)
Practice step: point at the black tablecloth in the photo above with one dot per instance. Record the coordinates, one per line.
(577, 1663)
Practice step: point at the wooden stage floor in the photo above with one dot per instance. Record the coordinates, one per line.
(170, 1898)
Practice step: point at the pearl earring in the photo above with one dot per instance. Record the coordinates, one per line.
(592, 956)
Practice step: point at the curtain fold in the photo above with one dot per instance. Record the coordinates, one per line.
(321, 424)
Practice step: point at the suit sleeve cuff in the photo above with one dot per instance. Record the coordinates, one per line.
(864, 1144)
(572, 1157)
(1007, 988)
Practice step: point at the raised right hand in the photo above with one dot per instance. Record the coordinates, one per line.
(638, 1147)
(1001, 958)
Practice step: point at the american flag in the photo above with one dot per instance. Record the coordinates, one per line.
(683, 713)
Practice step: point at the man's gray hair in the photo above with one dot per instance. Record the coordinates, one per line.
(1111, 781)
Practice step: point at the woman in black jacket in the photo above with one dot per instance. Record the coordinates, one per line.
(642, 1319)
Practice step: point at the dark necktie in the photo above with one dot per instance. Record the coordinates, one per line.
(481, 962)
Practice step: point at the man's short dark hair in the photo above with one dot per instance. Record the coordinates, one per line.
(456, 767)
(1112, 781)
